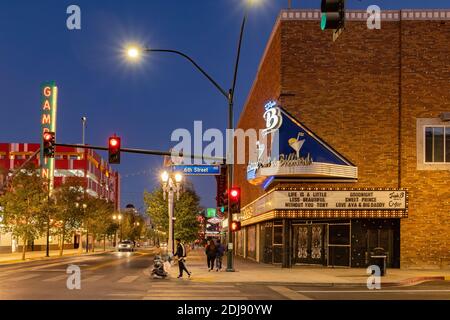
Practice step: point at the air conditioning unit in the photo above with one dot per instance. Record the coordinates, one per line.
(445, 116)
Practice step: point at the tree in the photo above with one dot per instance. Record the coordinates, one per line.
(24, 206)
(100, 219)
(68, 217)
(185, 211)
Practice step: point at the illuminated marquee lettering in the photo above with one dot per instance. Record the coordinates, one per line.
(48, 124)
(46, 119)
(47, 91)
(46, 105)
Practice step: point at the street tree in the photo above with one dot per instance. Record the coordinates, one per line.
(185, 212)
(68, 217)
(25, 203)
(100, 220)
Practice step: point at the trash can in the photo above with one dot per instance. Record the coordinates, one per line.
(378, 257)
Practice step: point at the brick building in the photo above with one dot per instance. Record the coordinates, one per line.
(101, 181)
(374, 138)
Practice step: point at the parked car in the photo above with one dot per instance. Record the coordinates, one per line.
(126, 245)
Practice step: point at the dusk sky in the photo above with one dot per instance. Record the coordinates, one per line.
(143, 103)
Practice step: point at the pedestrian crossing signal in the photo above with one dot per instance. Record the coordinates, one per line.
(114, 150)
(49, 144)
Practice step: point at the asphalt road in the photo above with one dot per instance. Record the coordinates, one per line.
(115, 275)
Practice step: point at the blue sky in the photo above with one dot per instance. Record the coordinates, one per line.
(143, 103)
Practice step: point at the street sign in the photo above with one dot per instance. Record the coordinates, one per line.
(198, 170)
(211, 212)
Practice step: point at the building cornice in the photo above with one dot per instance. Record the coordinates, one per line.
(362, 15)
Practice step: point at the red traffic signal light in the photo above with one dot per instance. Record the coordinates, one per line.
(234, 193)
(48, 144)
(114, 150)
(235, 226)
(113, 142)
(235, 200)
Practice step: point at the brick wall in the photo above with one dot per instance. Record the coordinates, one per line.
(349, 93)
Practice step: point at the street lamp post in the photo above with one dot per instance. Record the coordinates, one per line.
(134, 53)
(83, 121)
(119, 218)
(170, 186)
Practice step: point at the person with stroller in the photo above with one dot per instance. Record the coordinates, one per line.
(181, 254)
(211, 253)
(219, 255)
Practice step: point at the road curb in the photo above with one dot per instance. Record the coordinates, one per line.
(51, 258)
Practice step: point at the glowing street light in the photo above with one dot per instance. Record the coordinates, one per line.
(133, 53)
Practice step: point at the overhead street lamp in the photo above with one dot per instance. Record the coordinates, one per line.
(171, 184)
(135, 52)
(118, 217)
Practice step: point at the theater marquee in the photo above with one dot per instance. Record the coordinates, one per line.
(328, 203)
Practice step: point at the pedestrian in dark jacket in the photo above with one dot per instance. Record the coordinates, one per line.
(211, 253)
(219, 255)
(181, 254)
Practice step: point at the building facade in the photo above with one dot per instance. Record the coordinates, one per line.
(363, 131)
(100, 180)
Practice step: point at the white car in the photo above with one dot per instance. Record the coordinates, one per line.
(126, 245)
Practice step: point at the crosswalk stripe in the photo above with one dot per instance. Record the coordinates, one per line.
(193, 291)
(128, 279)
(30, 276)
(196, 298)
(57, 278)
(288, 293)
(93, 278)
(178, 286)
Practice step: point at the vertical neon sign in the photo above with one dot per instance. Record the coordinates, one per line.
(49, 96)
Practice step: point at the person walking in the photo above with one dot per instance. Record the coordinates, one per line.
(211, 253)
(181, 254)
(219, 255)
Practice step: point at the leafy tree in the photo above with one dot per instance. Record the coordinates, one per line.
(68, 216)
(24, 206)
(100, 219)
(185, 211)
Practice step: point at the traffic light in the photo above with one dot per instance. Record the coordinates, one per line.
(49, 144)
(333, 14)
(114, 150)
(235, 200)
(235, 226)
(224, 204)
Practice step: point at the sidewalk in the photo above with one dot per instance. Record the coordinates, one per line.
(16, 257)
(250, 271)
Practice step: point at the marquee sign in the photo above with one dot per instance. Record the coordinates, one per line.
(49, 93)
(296, 152)
(323, 203)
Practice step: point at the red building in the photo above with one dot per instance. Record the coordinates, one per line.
(102, 181)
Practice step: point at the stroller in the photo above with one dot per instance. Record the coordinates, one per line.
(161, 267)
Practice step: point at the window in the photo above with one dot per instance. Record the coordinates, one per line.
(437, 144)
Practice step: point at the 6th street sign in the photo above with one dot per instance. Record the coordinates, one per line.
(198, 170)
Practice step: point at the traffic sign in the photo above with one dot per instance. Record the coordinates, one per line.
(198, 170)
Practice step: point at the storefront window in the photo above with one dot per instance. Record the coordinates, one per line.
(251, 242)
(437, 144)
(278, 235)
(266, 242)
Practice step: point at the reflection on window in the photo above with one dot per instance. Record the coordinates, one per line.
(437, 144)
